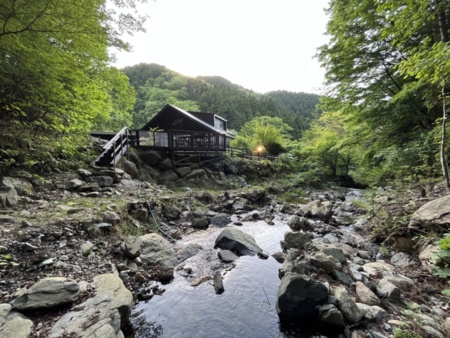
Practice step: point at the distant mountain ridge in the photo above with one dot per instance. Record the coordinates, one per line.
(156, 85)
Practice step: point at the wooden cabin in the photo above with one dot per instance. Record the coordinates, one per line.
(173, 130)
(176, 129)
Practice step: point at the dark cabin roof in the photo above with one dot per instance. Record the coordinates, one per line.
(167, 118)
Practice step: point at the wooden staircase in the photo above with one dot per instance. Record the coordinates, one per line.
(114, 150)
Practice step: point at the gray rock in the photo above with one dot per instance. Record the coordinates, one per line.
(172, 213)
(297, 223)
(6, 219)
(169, 176)
(347, 305)
(111, 217)
(14, 324)
(8, 197)
(196, 173)
(330, 316)
(102, 181)
(432, 332)
(103, 316)
(22, 186)
(373, 313)
(84, 174)
(238, 242)
(355, 272)
(200, 223)
(47, 292)
(218, 283)
(220, 220)
(88, 187)
(366, 295)
(328, 249)
(183, 171)
(86, 248)
(433, 212)
(392, 292)
(402, 259)
(227, 256)
(131, 169)
(342, 277)
(132, 246)
(151, 157)
(326, 263)
(298, 296)
(157, 251)
(279, 256)
(447, 325)
(317, 209)
(427, 255)
(296, 240)
(165, 164)
(378, 268)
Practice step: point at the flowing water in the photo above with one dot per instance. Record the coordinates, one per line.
(245, 309)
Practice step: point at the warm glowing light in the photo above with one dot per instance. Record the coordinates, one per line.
(259, 149)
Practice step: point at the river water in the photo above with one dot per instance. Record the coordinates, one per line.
(245, 309)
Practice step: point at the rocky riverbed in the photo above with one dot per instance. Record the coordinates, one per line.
(79, 250)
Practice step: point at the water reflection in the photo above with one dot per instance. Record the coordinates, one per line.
(245, 309)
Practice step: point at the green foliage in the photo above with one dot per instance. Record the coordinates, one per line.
(402, 333)
(55, 82)
(385, 64)
(326, 145)
(271, 133)
(442, 267)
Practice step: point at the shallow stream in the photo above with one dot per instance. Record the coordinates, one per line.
(245, 309)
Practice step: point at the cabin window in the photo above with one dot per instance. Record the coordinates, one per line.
(219, 124)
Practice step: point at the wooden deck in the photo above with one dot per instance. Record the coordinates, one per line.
(180, 145)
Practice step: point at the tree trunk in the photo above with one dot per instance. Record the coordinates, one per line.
(443, 138)
(443, 29)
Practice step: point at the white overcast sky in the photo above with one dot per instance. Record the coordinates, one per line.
(262, 45)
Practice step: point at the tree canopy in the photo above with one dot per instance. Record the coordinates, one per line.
(385, 64)
(55, 81)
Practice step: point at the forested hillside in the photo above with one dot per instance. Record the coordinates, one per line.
(156, 86)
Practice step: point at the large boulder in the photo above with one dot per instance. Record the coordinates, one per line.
(328, 249)
(8, 197)
(296, 240)
(104, 315)
(157, 251)
(165, 164)
(347, 305)
(151, 157)
(22, 186)
(317, 209)
(220, 219)
(131, 169)
(238, 242)
(299, 296)
(46, 293)
(196, 173)
(183, 171)
(14, 324)
(433, 212)
(171, 212)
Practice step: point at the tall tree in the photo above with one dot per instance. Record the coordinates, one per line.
(382, 64)
(54, 71)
